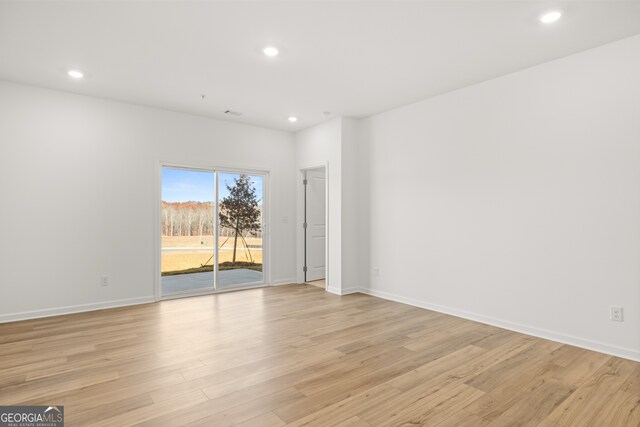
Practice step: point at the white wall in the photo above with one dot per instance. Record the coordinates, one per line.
(352, 214)
(318, 146)
(517, 201)
(335, 143)
(78, 195)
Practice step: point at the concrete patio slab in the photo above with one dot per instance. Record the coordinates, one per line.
(181, 283)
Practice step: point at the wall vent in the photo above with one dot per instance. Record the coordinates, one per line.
(233, 113)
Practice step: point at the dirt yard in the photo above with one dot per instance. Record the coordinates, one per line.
(207, 241)
(182, 260)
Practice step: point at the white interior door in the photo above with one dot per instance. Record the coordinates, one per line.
(316, 231)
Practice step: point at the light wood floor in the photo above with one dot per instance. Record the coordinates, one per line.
(318, 283)
(296, 355)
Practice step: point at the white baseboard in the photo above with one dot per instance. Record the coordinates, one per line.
(626, 353)
(279, 282)
(48, 312)
(345, 291)
(334, 290)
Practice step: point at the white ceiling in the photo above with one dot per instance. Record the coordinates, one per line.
(352, 58)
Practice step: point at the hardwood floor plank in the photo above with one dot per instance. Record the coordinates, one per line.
(540, 402)
(580, 367)
(346, 408)
(520, 364)
(299, 356)
(153, 410)
(632, 384)
(268, 419)
(462, 418)
(101, 412)
(595, 395)
(432, 407)
(245, 411)
(42, 388)
(353, 422)
(623, 409)
(508, 394)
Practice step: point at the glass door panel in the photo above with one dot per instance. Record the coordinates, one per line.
(188, 214)
(240, 224)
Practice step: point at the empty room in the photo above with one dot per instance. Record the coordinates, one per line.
(320, 213)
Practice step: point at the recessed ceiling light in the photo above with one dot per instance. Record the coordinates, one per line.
(75, 74)
(270, 51)
(551, 16)
(293, 119)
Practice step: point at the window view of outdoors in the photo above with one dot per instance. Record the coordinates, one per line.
(188, 229)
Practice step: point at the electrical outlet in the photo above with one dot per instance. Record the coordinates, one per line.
(104, 281)
(615, 313)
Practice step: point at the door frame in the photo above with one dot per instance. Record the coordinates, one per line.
(300, 256)
(266, 235)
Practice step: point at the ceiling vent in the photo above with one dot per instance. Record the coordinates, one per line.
(233, 113)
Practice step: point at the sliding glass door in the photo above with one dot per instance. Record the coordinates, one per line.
(212, 230)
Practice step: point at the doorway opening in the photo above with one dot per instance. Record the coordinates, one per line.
(212, 224)
(315, 227)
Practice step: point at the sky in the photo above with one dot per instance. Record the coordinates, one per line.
(183, 185)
